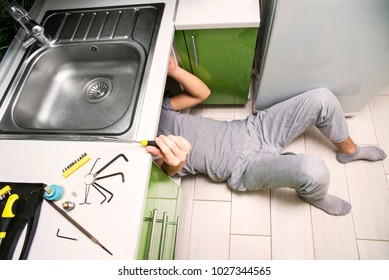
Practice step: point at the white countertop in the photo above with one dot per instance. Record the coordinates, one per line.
(116, 224)
(201, 14)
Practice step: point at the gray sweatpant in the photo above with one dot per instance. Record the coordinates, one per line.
(277, 126)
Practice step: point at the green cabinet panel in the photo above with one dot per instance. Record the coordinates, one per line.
(222, 58)
(160, 222)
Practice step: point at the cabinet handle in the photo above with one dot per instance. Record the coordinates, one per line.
(195, 51)
(163, 236)
(177, 224)
(153, 224)
(165, 223)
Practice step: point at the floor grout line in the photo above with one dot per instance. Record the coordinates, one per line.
(250, 234)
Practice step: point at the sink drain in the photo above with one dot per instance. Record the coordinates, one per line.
(97, 90)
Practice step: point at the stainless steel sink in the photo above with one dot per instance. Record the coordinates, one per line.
(78, 87)
(89, 81)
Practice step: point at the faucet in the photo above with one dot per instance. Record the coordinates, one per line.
(35, 32)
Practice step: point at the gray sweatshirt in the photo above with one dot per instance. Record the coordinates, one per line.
(216, 145)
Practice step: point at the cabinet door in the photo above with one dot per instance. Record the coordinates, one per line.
(222, 58)
(160, 223)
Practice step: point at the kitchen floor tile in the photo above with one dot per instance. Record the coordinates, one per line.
(206, 189)
(380, 114)
(361, 128)
(334, 236)
(242, 111)
(186, 195)
(250, 247)
(210, 230)
(291, 226)
(373, 250)
(369, 197)
(219, 112)
(250, 213)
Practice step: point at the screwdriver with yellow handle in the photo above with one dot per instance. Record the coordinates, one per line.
(143, 143)
(9, 201)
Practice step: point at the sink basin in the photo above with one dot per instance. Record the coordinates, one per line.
(89, 81)
(79, 87)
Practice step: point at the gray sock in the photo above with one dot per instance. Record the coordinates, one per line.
(331, 204)
(370, 153)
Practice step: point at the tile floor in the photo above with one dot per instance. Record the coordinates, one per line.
(218, 223)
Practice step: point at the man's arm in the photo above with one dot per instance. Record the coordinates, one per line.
(173, 150)
(195, 92)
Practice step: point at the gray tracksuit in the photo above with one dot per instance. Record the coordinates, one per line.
(248, 153)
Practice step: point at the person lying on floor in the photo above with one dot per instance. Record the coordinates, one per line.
(247, 154)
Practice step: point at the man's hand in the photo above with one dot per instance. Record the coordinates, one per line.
(172, 152)
(172, 66)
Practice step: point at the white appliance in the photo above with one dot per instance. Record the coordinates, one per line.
(341, 45)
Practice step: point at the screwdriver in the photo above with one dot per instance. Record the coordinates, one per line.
(9, 210)
(144, 143)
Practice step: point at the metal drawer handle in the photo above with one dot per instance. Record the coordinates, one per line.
(177, 224)
(164, 221)
(195, 51)
(153, 226)
(163, 236)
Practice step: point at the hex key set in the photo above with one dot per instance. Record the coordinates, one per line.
(91, 180)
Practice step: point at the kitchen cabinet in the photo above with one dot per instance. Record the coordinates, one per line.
(221, 58)
(160, 220)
